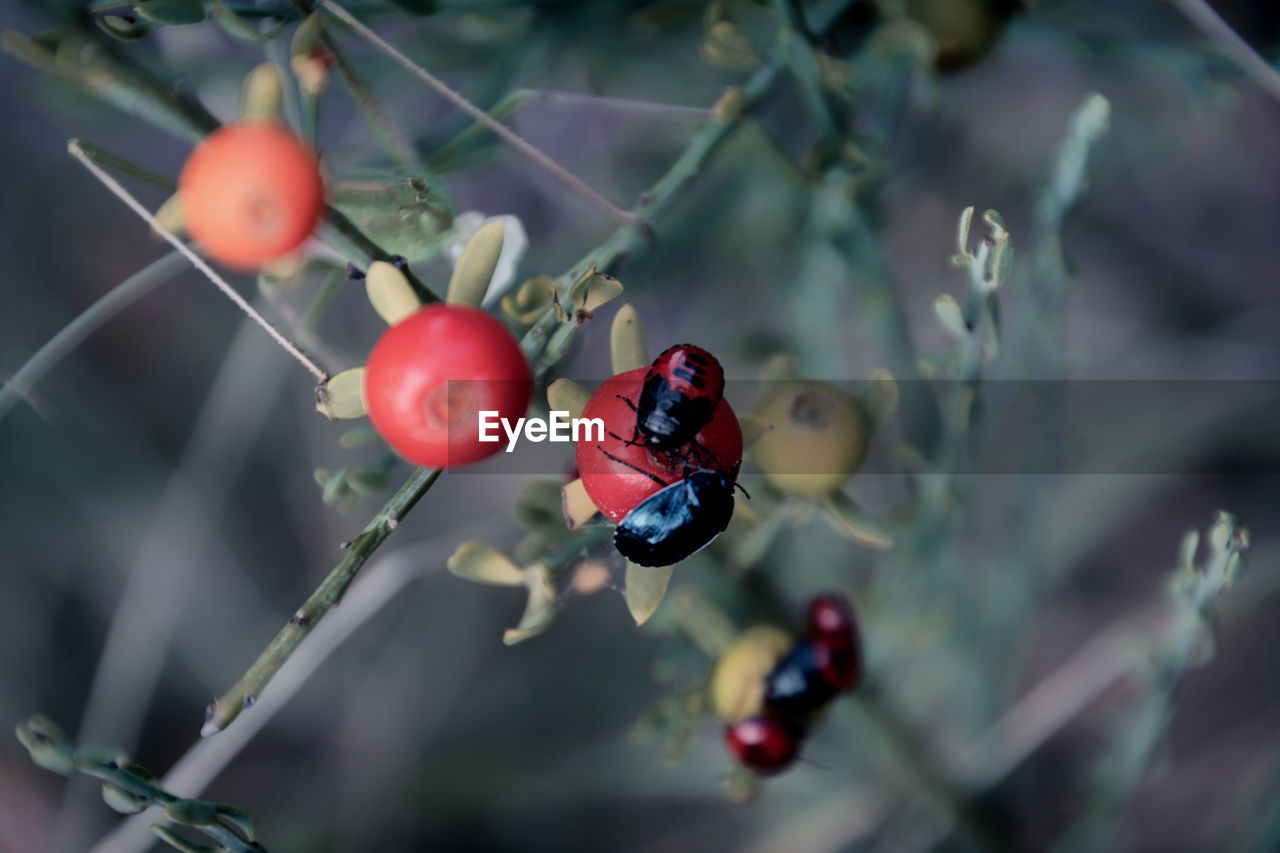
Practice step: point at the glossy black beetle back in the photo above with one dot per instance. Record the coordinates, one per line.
(677, 520)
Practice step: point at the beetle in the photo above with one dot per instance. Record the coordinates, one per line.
(799, 683)
(681, 390)
(766, 744)
(679, 519)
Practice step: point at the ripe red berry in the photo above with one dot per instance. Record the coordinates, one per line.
(430, 375)
(763, 743)
(615, 488)
(250, 192)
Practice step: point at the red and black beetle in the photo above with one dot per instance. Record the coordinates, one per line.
(681, 390)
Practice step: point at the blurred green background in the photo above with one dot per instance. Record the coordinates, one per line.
(157, 496)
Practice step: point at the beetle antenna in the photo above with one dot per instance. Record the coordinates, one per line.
(739, 486)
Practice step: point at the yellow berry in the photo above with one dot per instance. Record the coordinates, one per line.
(819, 437)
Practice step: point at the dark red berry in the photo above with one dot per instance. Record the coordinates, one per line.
(764, 743)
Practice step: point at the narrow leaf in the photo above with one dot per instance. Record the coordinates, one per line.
(474, 269)
(262, 93)
(565, 395)
(342, 397)
(626, 341)
(854, 524)
(538, 611)
(646, 586)
(482, 563)
(577, 504)
(168, 836)
(390, 292)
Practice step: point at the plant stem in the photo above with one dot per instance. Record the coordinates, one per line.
(506, 134)
(1202, 15)
(245, 691)
(90, 320)
(104, 157)
(198, 262)
(50, 748)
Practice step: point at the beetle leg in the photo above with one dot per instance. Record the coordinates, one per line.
(632, 467)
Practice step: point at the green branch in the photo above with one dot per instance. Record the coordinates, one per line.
(130, 788)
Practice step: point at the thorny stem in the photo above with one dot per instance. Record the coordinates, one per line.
(245, 691)
(502, 131)
(124, 195)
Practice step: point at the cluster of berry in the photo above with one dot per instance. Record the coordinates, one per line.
(825, 664)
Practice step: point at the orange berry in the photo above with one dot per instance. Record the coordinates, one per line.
(250, 192)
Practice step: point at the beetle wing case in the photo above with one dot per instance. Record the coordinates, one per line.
(676, 521)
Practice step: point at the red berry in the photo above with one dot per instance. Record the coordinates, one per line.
(764, 743)
(430, 375)
(250, 192)
(613, 487)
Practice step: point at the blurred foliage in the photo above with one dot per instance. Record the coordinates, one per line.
(806, 209)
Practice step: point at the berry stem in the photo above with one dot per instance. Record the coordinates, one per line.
(245, 691)
(74, 147)
(502, 131)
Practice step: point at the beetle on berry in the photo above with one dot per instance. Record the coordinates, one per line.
(677, 520)
(681, 390)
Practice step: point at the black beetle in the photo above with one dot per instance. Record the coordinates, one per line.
(678, 519)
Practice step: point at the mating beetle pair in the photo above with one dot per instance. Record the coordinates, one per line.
(826, 663)
(681, 391)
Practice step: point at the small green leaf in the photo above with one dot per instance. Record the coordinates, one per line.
(305, 36)
(539, 610)
(474, 269)
(172, 11)
(854, 524)
(779, 368)
(47, 744)
(262, 93)
(342, 396)
(962, 231)
(411, 217)
(118, 27)
(238, 818)
(879, 397)
(482, 563)
(121, 800)
(565, 395)
(646, 587)
(530, 301)
(335, 488)
(368, 480)
(168, 836)
(576, 505)
(360, 435)
(591, 291)
(626, 341)
(390, 293)
(192, 813)
(949, 314)
(538, 505)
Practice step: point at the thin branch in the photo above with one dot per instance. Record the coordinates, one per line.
(1205, 19)
(90, 320)
(502, 131)
(77, 151)
(245, 691)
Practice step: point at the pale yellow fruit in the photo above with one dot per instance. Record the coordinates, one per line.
(819, 437)
(737, 683)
